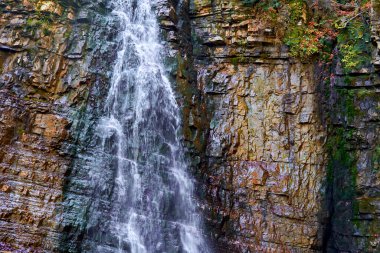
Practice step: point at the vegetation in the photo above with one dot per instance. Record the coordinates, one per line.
(353, 41)
(42, 22)
(44, 19)
(312, 30)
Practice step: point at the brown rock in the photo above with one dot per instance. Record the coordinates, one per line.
(6, 188)
(50, 126)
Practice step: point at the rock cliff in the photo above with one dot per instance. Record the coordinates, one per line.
(265, 159)
(52, 60)
(290, 159)
(285, 150)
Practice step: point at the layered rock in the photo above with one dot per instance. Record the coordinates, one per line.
(264, 157)
(287, 161)
(353, 145)
(91, 181)
(56, 62)
(375, 29)
(48, 65)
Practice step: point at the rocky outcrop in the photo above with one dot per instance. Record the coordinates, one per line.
(89, 190)
(286, 151)
(48, 65)
(56, 61)
(291, 154)
(375, 25)
(353, 146)
(265, 159)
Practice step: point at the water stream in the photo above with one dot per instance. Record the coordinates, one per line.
(152, 207)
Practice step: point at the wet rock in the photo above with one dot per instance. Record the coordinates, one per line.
(50, 6)
(50, 126)
(254, 123)
(215, 41)
(265, 148)
(37, 133)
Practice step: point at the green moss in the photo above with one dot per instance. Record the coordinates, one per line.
(20, 131)
(366, 205)
(341, 169)
(346, 104)
(376, 158)
(302, 36)
(67, 34)
(363, 93)
(46, 31)
(349, 80)
(38, 22)
(309, 30)
(376, 6)
(302, 42)
(32, 25)
(237, 60)
(354, 43)
(270, 4)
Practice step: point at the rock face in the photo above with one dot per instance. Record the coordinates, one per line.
(290, 159)
(286, 161)
(353, 148)
(265, 158)
(49, 61)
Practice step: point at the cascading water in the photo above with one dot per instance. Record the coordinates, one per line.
(151, 207)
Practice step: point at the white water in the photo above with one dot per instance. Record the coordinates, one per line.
(152, 208)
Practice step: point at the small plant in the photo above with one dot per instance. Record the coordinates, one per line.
(303, 40)
(354, 45)
(270, 5)
(37, 23)
(308, 35)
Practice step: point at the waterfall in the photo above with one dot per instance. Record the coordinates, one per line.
(152, 208)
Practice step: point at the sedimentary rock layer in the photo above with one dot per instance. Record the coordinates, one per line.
(286, 150)
(264, 158)
(50, 60)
